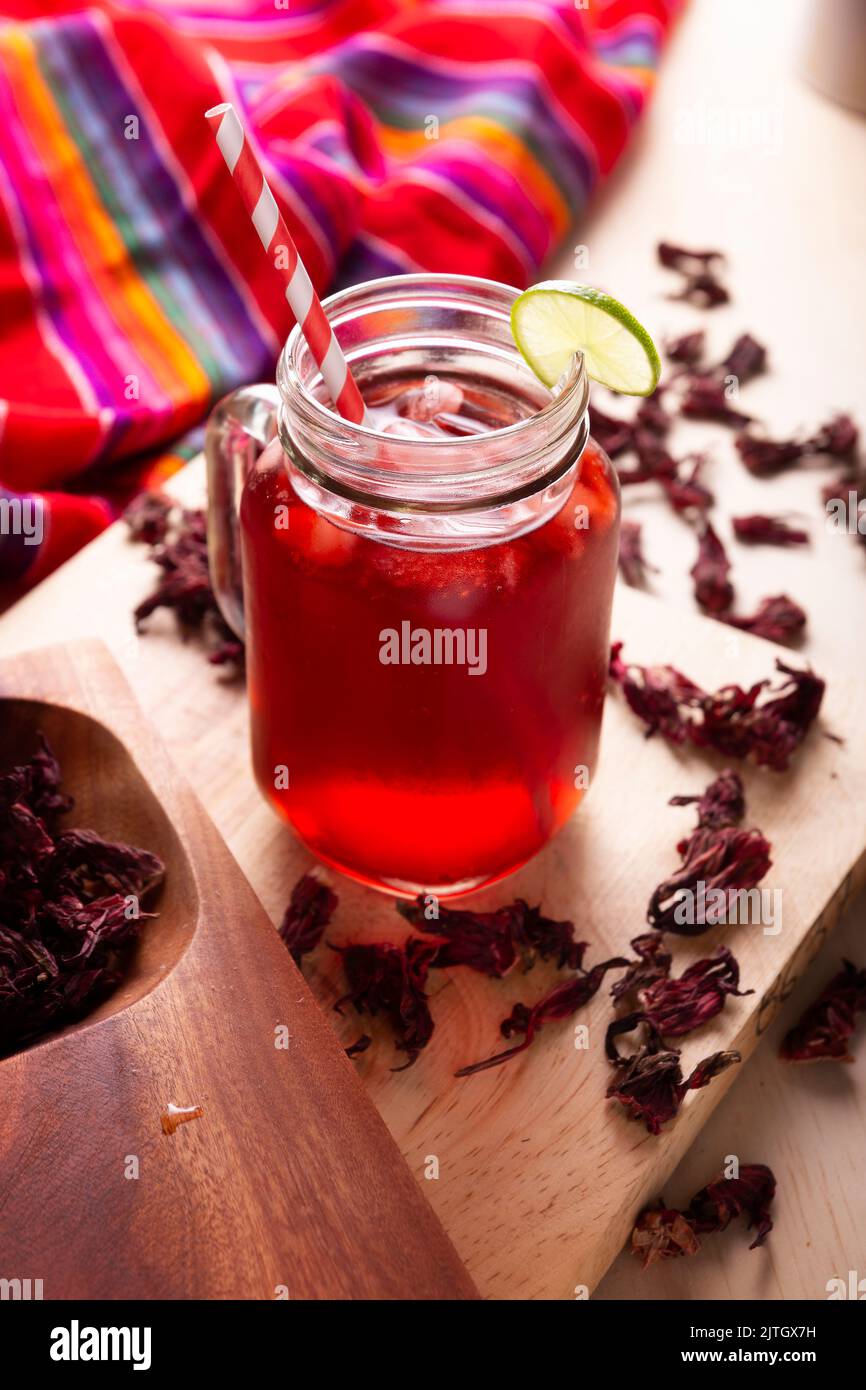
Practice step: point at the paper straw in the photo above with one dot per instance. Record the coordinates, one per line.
(274, 236)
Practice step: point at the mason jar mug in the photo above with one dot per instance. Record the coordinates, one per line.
(425, 599)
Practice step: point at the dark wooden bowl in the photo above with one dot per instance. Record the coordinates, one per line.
(288, 1184)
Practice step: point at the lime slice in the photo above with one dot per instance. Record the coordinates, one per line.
(554, 320)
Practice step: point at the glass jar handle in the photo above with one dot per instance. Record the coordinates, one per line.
(240, 427)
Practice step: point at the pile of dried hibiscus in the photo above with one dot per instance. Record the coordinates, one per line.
(69, 905)
(663, 1233)
(698, 389)
(391, 979)
(178, 546)
(765, 723)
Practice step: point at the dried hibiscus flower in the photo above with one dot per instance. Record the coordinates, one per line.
(30, 802)
(717, 865)
(662, 1233)
(391, 980)
(179, 548)
(742, 723)
(778, 619)
(716, 1205)
(676, 1007)
(706, 398)
(147, 517)
(763, 457)
(845, 503)
(653, 460)
(687, 350)
(632, 563)
(539, 937)
(561, 1002)
(650, 1083)
(653, 963)
(838, 438)
(722, 803)
(89, 865)
(652, 416)
(718, 861)
(746, 359)
(69, 905)
(825, 1029)
(688, 262)
(490, 942)
(709, 391)
(704, 290)
(614, 435)
(482, 940)
(310, 909)
(661, 696)
(763, 722)
(685, 492)
(768, 530)
(702, 286)
(713, 589)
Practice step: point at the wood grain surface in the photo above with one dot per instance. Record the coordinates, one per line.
(287, 1184)
(738, 151)
(778, 194)
(536, 1177)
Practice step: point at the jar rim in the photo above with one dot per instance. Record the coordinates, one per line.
(571, 395)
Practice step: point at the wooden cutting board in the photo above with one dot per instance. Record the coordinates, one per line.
(287, 1184)
(537, 1177)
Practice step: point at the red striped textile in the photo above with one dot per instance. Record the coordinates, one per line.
(395, 134)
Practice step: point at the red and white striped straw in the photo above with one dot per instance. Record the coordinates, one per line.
(274, 236)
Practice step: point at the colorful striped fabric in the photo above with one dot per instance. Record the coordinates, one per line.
(396, 134)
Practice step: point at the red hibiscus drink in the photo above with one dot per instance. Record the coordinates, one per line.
(426, 599)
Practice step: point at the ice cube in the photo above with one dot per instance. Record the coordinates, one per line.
(434, 398)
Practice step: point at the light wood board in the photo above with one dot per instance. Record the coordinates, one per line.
(539, 1177)
(738, 151)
